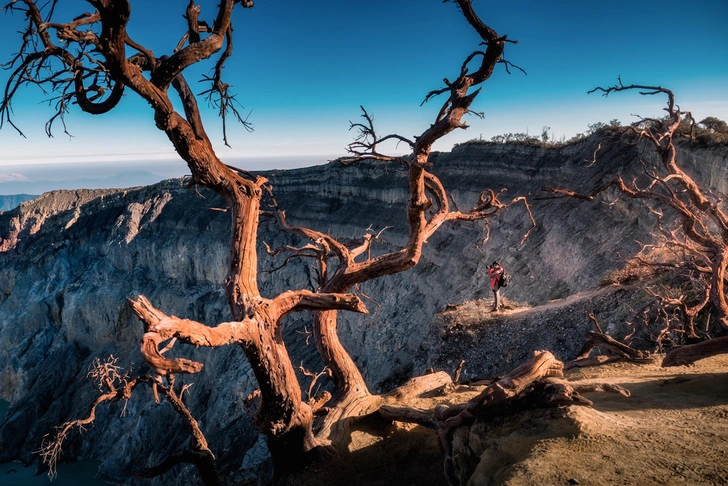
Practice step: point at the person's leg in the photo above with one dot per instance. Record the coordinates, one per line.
(496, 299)
(496, 291)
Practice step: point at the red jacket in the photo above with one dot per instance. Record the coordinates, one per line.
(495, 276)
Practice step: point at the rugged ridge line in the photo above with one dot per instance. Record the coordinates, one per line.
(70, 258)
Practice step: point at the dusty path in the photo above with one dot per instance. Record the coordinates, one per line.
(555, 304)
(672, 430)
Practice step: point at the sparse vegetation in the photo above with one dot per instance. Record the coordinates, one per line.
(709, 131)
(613, 128)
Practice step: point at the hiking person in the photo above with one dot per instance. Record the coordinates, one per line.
(495, 272)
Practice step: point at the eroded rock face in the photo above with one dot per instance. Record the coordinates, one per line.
(70, 259)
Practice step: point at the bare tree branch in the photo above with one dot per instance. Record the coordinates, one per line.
(701, 231)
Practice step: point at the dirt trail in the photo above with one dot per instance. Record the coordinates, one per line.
(555, 304)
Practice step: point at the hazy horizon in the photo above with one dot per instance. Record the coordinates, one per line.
(37, 178)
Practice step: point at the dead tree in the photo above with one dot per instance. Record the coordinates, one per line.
(668, 320)
(700, 231)
(115, 386)
(94, 62)
(427, 210)
(610, 349)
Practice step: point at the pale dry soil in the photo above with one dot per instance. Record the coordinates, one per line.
(672, 430)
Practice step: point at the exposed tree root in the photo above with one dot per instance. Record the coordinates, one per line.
(690, 353)
(617, 352)
(336, 427)
(525, 387)
(601, 388)
(204, 461)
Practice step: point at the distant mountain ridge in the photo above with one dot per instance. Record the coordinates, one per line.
(123, 179)
(11, 202)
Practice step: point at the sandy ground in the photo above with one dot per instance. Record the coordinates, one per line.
(673, 429)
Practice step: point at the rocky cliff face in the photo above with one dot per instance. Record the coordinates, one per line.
(70, 258)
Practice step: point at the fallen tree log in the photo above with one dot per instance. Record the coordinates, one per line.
(690, 353)
(617, 351)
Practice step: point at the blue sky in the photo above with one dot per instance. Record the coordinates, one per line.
(303, 68)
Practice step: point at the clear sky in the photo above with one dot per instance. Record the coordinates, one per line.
(303, 68)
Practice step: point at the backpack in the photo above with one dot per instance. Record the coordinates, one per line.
(505, 279)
